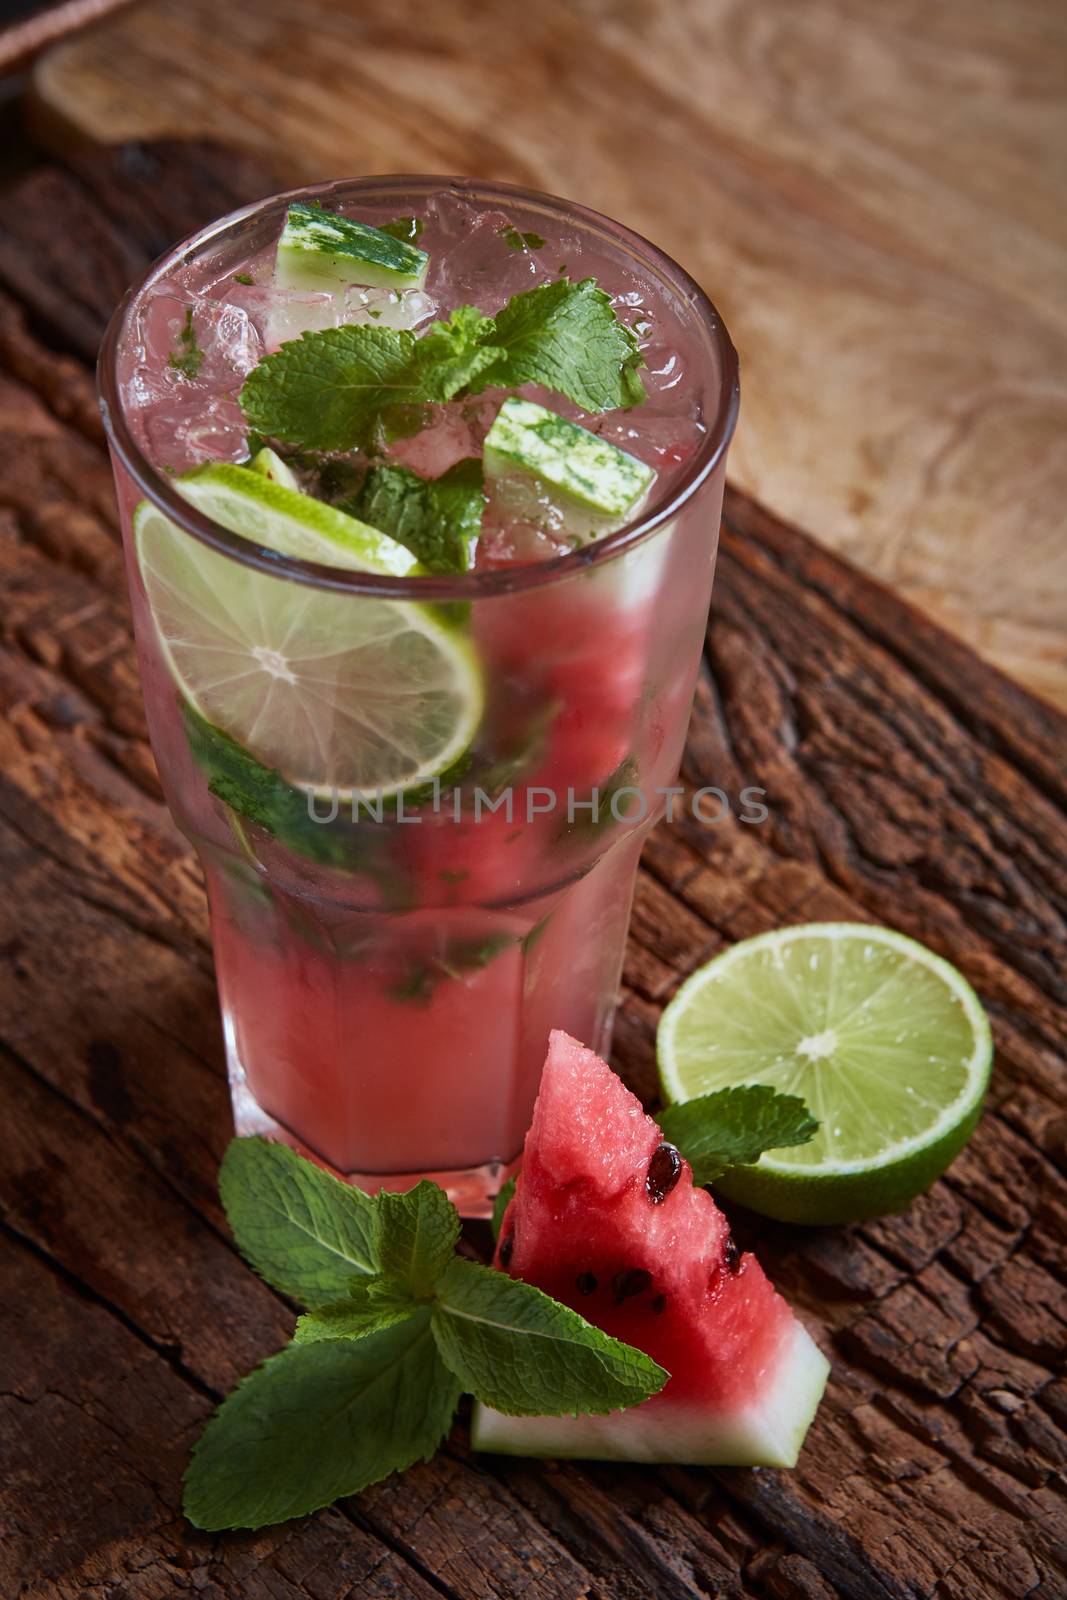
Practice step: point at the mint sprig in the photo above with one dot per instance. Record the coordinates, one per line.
(419, 1234)
(304, 1231)
(399, 1327)
(318, 1421)
(733, 1127)
(522, 1352)
(328, 389)
(437, 519)
(566, 337)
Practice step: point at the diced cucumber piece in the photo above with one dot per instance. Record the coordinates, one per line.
(572, 465)
(319, 249)
(270, 465)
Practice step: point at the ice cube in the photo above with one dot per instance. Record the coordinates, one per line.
(193, 429)
(661, 440)
(388, 308)
(180, 338)
(481, 257)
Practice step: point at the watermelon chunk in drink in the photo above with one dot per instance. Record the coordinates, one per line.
(606, 1218)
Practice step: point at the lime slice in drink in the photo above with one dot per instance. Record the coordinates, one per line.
(269, 464)
(356, 693)
(886, 1042)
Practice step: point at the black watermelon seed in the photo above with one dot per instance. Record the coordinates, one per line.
(664, 1170)
(506, 1247)
(586, 1283)
(626, 1284)
(659, 1304)
(731, 1254)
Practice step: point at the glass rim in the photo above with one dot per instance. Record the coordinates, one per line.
(159, 488)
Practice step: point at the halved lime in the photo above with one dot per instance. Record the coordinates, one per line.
(887, 1043)
(356, 693)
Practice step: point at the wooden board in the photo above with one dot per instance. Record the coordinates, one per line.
(874, 195)
(907, 782)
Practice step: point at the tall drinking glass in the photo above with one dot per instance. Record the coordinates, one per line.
(389, 968)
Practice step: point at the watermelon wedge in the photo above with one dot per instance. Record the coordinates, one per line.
(605, 1218)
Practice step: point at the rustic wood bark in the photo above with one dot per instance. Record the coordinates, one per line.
(905, 781)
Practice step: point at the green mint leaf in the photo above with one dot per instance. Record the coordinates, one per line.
(501, 1203)
(733, 1127)
(304, 1231)
(588, 824)
(372, 1303)
(520, 1351)
(437, 519)
(324, 389)
(419, 982)
(188, 358)
(243, 277)
(520, 241)
(452, 354)
(319, 1421)
(566, 337)
(328, 390)
(262, 795)
(406, 228)
(419, 1230)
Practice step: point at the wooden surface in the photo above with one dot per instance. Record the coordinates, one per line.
(874, 194)
(25, 38)
(907, 781)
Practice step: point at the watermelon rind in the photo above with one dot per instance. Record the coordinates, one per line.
(767, 1433)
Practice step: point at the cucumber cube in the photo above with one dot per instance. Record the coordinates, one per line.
(319, 249)
(573, 466)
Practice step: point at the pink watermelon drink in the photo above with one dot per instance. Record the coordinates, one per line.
(420, 487)
(606, 1219)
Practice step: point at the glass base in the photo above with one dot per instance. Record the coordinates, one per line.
(471, 1190)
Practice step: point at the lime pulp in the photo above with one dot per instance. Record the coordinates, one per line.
(361, 694)
(887, 1044)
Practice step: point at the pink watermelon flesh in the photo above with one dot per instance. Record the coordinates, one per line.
(605, 1218)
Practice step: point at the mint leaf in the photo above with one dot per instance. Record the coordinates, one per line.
(319, 1421)
(520, 1351)
(437, 519)
(303, 1230)
(261, 794)
(372, 1303)
(588, 824)
(419, 1231)
(452, 354)
(327, 390)
(324, 389)
(188, 357)
(733, 1127)
(566, 337)
(501, 1203)
(520, 241)
(419, 982)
